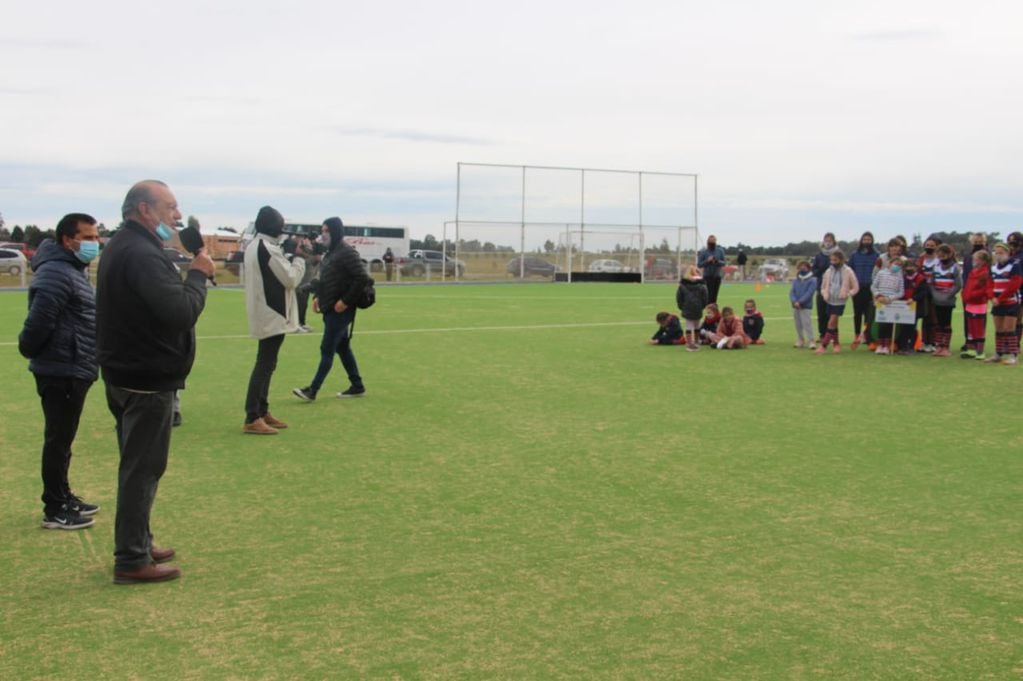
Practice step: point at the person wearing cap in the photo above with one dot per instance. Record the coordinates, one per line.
(270, 301)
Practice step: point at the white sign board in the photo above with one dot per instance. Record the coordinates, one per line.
(896, 312)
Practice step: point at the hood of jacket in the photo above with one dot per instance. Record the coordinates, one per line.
(50, 251)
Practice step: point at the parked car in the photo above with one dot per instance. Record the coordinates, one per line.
(419, 262)
(178, 258)
(20, 247)
(606, 266)
(530, 265)
(12, 262)
(661, 268)
(776, 269)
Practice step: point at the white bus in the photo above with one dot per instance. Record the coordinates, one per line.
(369, 241)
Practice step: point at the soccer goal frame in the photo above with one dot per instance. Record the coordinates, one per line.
(515, 210)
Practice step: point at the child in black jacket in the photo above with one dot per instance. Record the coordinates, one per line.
(669, 331)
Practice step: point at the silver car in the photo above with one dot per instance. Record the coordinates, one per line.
(12, 262)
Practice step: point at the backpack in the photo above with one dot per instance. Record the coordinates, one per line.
(368, 295)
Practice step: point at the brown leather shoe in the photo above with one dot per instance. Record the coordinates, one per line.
(269, 420)
(148, 573)
(258, 427)
(161, 555)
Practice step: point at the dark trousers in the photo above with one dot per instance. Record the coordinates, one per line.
(62, 399)
(822, 315)
(256, 404)
(863, 311)
(143, 436)
(302, 299)
(713, 284)
(337, 338)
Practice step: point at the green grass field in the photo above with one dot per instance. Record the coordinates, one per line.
(531, 491)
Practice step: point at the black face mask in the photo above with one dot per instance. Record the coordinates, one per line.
(866, 245)
(928, 251)
(978, 247)
(712, 244)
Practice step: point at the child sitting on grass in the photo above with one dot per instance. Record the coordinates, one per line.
(669, 330)
(729, 334)
(710, 323)
(753, 322)
(691, 297)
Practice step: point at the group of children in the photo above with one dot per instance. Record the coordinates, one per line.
(933, 282)
(705, 324)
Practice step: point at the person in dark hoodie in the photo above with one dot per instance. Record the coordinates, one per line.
(270, 282)
(59, 339)
(862, 262)
(145, 333)
(691, 297)
(342, 279)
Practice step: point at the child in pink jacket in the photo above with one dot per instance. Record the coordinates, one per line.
(837, 285)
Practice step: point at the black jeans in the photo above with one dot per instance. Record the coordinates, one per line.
(143, 436)
(302, 298)
(713, 284)
(256, 404)
(62, 398)
(337, 338)
(822, 315)
(863, 311)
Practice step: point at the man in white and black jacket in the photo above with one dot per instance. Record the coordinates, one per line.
(342, 280)
(145, 324)
(59, 337)
(270, 281)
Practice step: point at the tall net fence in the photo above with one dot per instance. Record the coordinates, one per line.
(530, 221)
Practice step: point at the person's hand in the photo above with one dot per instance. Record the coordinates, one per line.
(204, 263)
(340, 306)
(316, 306)
(653, 342)
(797, 306)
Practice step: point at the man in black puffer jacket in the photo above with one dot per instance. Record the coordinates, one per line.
(59, 337)
(343, 277)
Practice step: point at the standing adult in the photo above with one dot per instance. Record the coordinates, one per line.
(145, 322)
(819, 266)
(711, 260)
(741, 261)
(389, 262)
(59, 339)
(862, 262)
(342, 279)
(270, 281)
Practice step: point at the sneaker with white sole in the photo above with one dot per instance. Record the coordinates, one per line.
(83, 507)
(306, 394)
(352, 392)
(1009, 360)
(65, 519)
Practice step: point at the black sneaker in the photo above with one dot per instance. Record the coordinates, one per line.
(82, 507)
(352, 392)
(65, 519)
(305, 394)
(176, 420)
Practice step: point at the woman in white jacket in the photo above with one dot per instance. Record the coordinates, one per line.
(837, 286)
(270, 282)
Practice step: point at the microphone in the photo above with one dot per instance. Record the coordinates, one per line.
(191, 239)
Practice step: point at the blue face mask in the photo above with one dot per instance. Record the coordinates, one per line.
(896, 269)
(164, 232)
(87, 251)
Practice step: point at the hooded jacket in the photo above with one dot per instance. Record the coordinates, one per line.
(59, 334)
(803, 288)
(145, 313)
(342, 274)
(691, 298)
(270, 282)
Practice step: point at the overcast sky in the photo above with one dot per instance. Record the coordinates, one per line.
(798, 116)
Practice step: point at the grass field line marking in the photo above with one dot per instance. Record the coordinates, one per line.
(451, 329)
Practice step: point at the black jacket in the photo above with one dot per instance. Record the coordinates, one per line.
(145, 313)
(691, 297)
(59, 335)
(342, 277)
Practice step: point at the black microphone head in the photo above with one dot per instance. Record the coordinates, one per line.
(191, 239)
